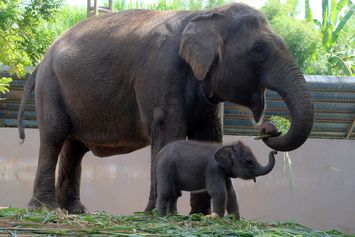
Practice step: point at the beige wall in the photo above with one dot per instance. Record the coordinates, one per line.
(323, 195)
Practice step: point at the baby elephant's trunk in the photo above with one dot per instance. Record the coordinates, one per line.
(263, 170)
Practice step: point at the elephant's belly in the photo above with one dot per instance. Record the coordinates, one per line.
(199, 191)
(104, 150)
(114, 140)
(111, 132)
(193, 184)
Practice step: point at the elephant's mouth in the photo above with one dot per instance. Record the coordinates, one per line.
(258, 102)
(248, 176)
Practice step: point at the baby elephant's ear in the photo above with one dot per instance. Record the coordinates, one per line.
(225, 158)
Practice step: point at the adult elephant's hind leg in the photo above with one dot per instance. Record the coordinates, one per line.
(53, 124)
(53, 131)
(68, 183)
(43, 190)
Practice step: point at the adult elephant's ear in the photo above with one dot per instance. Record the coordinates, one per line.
(201, 43)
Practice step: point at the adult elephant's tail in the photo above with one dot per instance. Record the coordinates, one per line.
(30, 84)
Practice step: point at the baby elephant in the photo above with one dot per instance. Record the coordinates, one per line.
(205, 167)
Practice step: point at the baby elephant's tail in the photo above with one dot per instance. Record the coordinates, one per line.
(30, 84)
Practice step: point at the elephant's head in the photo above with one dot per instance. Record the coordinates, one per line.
(234, 52)
(238, 161)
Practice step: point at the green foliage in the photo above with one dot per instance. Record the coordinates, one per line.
(345, 48)
(308, 13)
(23, 38)
(325, 47)
(30, 222)
(66, 18)
(4, 84)
(339, 63)
(336, 14)
(275, 8)
(119, 5)
(301, 38)
(272, 9)
(168, 5)
(215, 3)
(282, 124)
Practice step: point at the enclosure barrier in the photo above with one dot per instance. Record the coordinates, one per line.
(334, 103)
(94, 9)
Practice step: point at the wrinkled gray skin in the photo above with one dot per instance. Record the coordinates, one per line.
(118, 82)
(205, 167)
(268, 128)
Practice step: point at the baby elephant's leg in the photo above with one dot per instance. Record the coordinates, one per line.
(218, 200)
(172, 208)
(165, 191)
(232, 202)
(216, 187)
(162, 205)
(218, 203)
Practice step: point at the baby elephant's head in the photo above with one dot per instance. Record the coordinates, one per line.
(238, 161)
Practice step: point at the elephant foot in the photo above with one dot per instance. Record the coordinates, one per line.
(200, 210)
(235, 214)
(75, 207)
(150, 207)
(213, 215)
(39, 203)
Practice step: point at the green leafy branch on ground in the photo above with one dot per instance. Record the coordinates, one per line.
(56, 222)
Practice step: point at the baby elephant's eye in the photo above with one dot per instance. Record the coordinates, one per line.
(249, 162)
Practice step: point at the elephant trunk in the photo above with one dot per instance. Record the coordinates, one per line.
(263, 170)
(287, 80)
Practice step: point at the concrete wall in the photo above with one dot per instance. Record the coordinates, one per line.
(323, 195)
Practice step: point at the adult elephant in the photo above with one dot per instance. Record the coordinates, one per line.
(118, 82)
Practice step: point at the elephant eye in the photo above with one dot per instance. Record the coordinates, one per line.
(248, 163)
(258, 52)
(258, 49)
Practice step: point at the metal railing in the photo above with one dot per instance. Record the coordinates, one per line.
(94, 9)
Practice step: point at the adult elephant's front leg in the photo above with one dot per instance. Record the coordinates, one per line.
(209, 129)
(168, 126)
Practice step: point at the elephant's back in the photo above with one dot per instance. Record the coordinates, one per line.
(190, 148)
(120, 41)
(129, 26)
